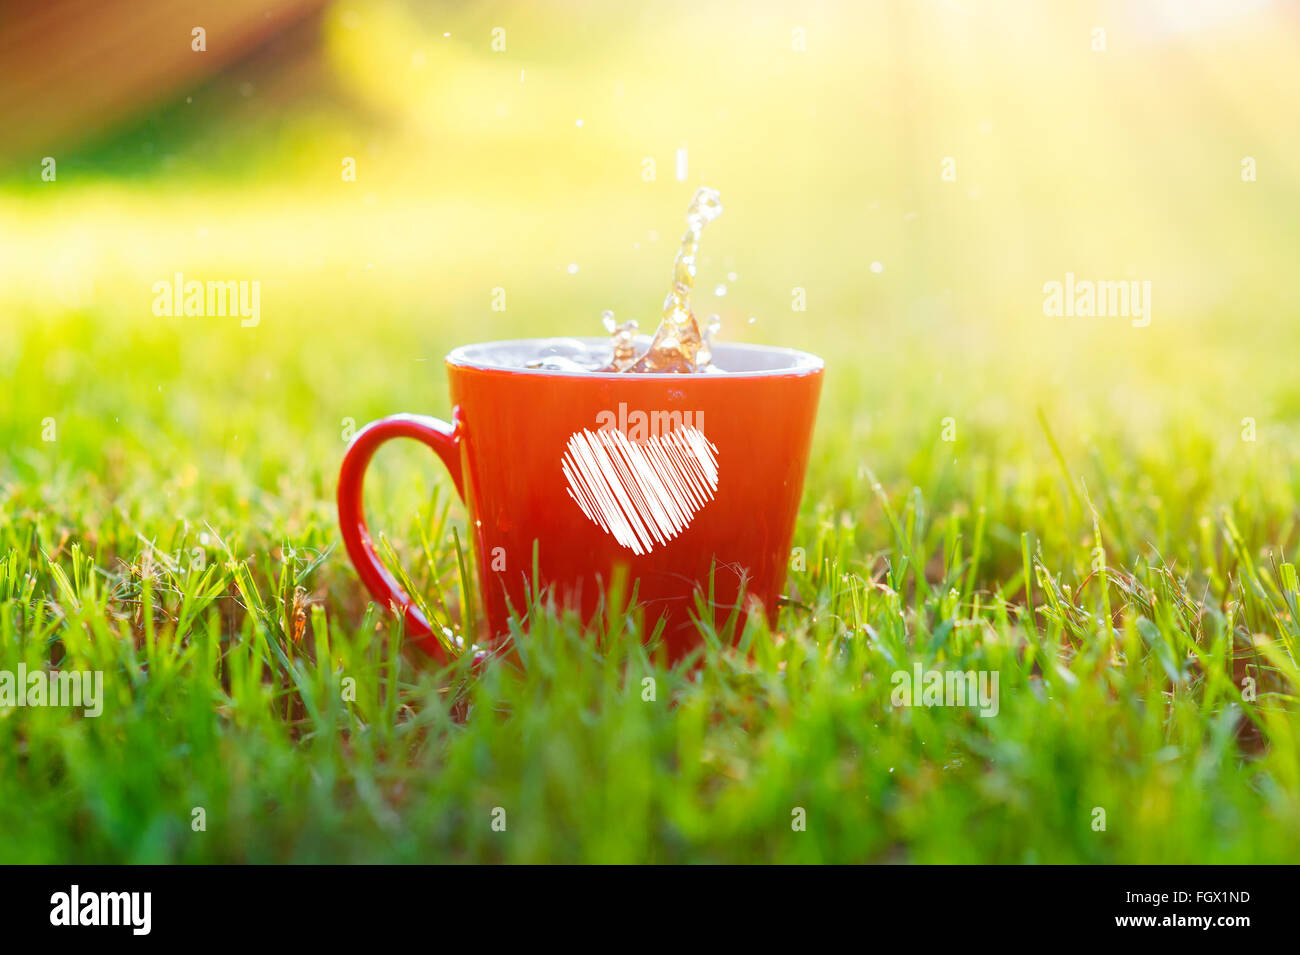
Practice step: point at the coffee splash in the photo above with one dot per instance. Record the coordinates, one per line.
(681, 345)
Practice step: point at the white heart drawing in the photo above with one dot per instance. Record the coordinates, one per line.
(642, 492)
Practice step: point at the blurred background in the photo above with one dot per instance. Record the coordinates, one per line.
(919, 170)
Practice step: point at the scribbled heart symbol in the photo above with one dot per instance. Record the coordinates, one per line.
(644, 493)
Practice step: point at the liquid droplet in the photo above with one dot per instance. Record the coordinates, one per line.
(678, 341)
(680, 345)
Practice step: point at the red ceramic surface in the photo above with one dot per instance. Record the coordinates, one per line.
(506, 451)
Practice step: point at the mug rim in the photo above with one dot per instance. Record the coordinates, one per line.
(797, 364)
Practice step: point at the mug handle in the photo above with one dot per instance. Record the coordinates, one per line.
(444, 439)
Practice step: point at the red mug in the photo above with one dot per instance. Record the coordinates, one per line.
(672, 476)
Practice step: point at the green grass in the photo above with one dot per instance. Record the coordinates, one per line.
(176, 539)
